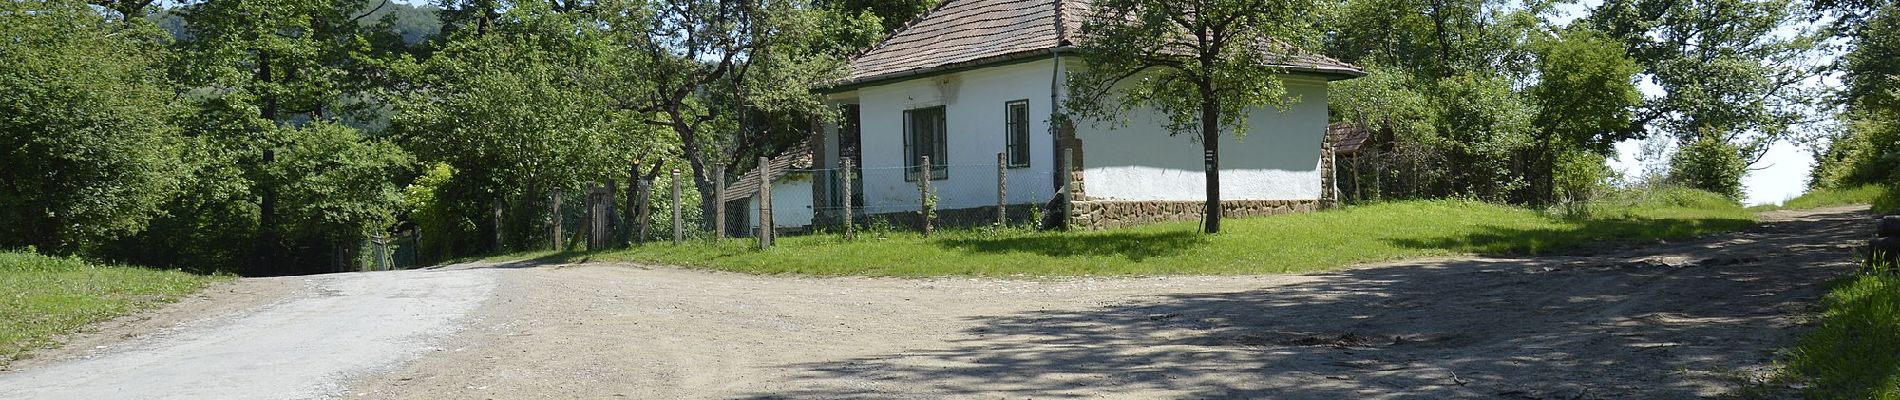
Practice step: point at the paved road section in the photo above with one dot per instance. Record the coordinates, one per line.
(310, 344)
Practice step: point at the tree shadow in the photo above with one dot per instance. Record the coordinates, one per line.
(1136, 246)
(1552, 327)
(560, 258)
(1501, 241)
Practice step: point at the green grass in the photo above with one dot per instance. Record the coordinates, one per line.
(1278, 244)
(41, 297)
(1882, 197)
(1854, 353)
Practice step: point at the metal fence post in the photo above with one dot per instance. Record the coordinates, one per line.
(923, 188)
(679, 231)
(847, 200)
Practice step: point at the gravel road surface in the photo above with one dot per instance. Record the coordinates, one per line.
(1692, 318)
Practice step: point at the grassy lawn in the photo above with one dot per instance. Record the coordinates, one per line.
(1855, 351)
(1883, 198)
(41, 296)
(1278, 244)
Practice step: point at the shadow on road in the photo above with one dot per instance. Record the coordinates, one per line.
(1613, 326)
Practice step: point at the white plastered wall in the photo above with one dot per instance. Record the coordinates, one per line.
(974, 104)
(1277, 159)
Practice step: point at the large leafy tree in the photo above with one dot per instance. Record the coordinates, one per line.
(1728, 68)
(266, 76)
(519, 110)
(1203, 64)
(1867, 148)
(891, 14)
(1586, 96)
(729, 79)
(88, 148)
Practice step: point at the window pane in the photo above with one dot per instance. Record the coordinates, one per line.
(925, 131)
(1018, 134)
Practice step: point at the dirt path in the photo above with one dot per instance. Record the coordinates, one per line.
(1693, 318)
(1687, 319)
(271, 338)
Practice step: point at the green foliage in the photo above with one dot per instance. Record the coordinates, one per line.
(444, 230)
(337, 187)
(1484, 125)
(1872, 70)
(1709, 164)
(891, 14)
(1725, 69)
(1578, 178)
(1142, 55)
(87, 149)
(1586, 91)
(1479, 99)
(1831, 197)
(1867, 152)
(49, 296)
(510, 112)
(1279, 244)
(1851, 354)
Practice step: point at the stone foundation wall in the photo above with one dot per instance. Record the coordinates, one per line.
(1110, 214)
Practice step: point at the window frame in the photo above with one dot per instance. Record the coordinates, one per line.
(940, 149)
(1016, 148)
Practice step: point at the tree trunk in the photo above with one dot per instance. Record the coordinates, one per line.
(695, 158)
(265, 257)
(1210, 147)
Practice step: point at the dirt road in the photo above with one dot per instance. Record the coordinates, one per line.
(271, 338)
(1694, 318)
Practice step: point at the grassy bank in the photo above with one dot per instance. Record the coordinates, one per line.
(1882, 197)
(1279, 244)
(41, 296)
(1855, 351)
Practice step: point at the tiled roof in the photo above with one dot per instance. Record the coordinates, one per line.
(962, 33)
(798, 157)
(1348, 138)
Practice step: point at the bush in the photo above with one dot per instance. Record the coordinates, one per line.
(1709, 164)
(87, 151)
(1579, 176)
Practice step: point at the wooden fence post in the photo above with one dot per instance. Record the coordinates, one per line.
(498, 236)
(847, 200)
(554, 228)
(644, 210)
(719, 202)
(765, 203)
(1002, 191)
(679, 228)
(923, 189)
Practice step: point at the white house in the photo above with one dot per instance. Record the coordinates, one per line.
(973, 78)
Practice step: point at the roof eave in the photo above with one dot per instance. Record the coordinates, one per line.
(874, 80)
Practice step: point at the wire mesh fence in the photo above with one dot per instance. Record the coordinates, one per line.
(671, 207)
